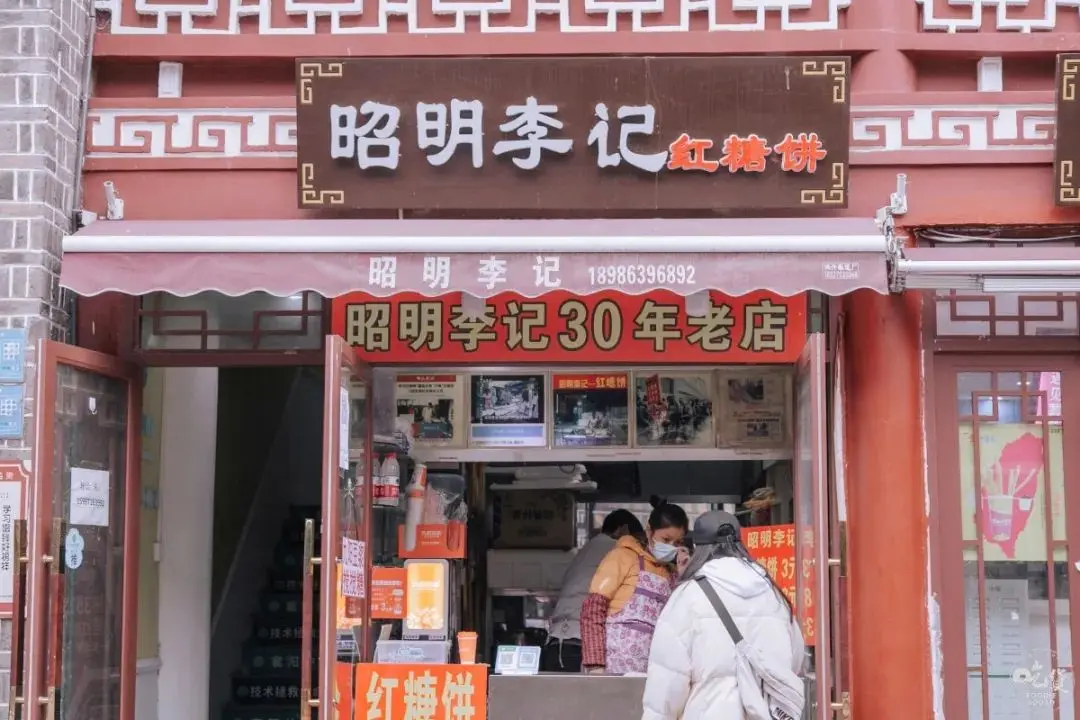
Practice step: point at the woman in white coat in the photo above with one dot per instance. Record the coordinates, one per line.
(692, 674)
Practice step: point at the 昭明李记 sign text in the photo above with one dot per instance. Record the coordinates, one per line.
(560, 327)
(719, 133)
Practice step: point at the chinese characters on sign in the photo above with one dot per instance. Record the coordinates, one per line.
(421, 692)
(388, 593)
(574, 133)
(773, 546)
(410, 328)
(369, 135)
(13, 478)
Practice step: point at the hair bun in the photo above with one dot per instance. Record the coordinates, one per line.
(656, 501)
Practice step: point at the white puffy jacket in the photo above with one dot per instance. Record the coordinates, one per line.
(692, 660)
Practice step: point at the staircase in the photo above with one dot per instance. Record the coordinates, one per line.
(267, 685)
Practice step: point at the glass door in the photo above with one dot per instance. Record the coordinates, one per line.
(813, 569)
(82, 575)
(337, 582)
(1008, 498)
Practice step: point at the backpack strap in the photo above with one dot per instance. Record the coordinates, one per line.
(720, 608)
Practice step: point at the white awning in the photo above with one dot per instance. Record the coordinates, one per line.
(989, 269)
(480, 257)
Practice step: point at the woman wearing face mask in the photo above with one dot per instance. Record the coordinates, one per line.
(628, 592)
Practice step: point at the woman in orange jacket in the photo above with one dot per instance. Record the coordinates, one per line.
(628, 592)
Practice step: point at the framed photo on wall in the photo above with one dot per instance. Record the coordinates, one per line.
(508, 411)
(673, 409)
(430, 409)
(591, 409)
(754, 407)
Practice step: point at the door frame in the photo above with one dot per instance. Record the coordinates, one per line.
(812, 516)
(42, 650)
(949, 505)
(339, 358)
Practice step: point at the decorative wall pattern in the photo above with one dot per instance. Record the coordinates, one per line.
(970, 133)
(193, 133)
(997, 129)
(379, 17)
(1014, 16)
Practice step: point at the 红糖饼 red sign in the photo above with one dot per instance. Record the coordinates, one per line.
(592, 381)
(560, 327)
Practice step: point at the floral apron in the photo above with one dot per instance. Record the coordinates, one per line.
(629, 632)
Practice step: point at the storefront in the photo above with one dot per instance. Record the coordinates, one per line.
(556, 291)
(1000, 315)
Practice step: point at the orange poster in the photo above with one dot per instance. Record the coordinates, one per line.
(404, 692)
(427, 596)
(388, 593)
(773, 546)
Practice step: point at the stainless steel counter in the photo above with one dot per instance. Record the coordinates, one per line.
(565, 696)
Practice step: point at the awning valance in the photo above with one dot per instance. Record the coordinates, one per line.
(480, 257)
(982, 269)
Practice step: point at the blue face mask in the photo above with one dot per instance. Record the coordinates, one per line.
(664, 552)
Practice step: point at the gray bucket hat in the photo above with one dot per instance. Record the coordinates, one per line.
(707, 527)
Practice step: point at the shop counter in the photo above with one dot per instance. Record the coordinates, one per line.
(566, 696)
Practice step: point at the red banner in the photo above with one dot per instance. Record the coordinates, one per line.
(560, 327)
(400, 692)
(773, 546)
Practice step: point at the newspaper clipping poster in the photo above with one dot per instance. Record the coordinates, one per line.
(429, 409)
(507, 411)
(674, 410)
(754, 408)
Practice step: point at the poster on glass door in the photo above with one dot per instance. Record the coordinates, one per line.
(507, 411)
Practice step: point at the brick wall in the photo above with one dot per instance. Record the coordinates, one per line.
(43, 51)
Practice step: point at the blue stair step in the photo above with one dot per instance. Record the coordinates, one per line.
(264, 712)
(289, 581)
(274, 629)
(289, 559)
(272, 660)
(293, 533)
(266, 690)
(272, 603)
